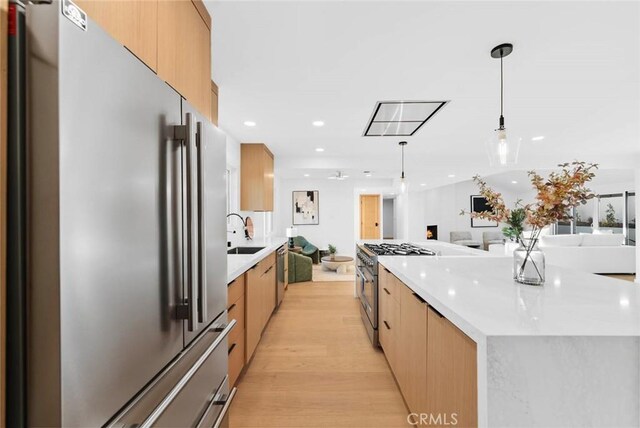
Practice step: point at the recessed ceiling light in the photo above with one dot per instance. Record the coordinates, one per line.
(451, 175)
(541, 137)
(318, 123)
(367, 175)
(423, 184)
(514, 182)
(249, 123)
(306, 175)
(319, 149)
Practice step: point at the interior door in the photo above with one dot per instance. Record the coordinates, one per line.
(209, 166)
(369, 216)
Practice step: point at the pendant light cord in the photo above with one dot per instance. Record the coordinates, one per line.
(501, 87)
(402, 161)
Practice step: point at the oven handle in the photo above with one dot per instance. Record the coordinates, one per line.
(362, 275)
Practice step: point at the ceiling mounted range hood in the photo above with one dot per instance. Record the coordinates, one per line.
(400, 118)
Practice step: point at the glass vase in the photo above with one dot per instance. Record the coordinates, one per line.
(528, 263)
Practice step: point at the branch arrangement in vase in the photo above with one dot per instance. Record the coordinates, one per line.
(556, 196)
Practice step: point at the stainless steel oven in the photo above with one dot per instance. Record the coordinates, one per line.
(367, 289)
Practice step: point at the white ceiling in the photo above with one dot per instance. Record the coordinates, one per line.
(574, 77)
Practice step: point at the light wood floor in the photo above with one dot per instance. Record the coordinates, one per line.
(315, 367)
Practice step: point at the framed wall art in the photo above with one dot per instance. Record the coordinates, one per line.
(306, 207)
(479, 204)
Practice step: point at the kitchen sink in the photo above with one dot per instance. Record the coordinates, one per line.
(245, 250)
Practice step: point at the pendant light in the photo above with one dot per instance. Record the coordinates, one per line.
(403, 184)
(502, 148)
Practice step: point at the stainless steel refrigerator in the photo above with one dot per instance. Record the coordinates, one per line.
(117, 220)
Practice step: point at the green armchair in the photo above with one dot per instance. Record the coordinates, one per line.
(308, 249)
(300, 268)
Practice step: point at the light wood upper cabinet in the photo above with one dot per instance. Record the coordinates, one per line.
(214, 103)
(451, 371)
(184, 51)
(172, 37)
(134, 23)
(256, 178)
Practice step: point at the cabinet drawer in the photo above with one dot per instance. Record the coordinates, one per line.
(267, 262)
(235, 290)
(389, 328)
(388, 283)
(236, 312)
(236, 359)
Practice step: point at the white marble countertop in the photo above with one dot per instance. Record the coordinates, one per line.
(478, 295)
(237, 264)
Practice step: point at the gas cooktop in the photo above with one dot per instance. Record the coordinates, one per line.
(404, 249)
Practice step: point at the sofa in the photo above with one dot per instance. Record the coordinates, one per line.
(308, 249)
(491, 238)
(595, 253)
(300, 268)
(464, 239)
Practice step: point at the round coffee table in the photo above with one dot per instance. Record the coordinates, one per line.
(339, 263)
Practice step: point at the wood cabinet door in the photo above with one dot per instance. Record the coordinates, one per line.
(253, 310)
(412, 350)
(184, 52)
(134, 23)
(256, 178)
(269, 289)
(389, 325)
(268, 180)
(451, 372)
(214, 103)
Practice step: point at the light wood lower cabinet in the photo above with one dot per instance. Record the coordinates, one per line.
(236, 341)
(451, 371)
(389, 318)
(412, 350)
(253, 311)
(433, 361)
(260, 301)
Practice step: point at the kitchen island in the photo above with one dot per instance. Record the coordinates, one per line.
(564, 354)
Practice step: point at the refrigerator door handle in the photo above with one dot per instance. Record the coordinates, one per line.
(192, 291)
(168, 399)
(225, 409)
(202, 229)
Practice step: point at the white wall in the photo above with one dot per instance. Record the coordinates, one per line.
(335, 217)
(339, 224)
(637, 210)
(441, 206)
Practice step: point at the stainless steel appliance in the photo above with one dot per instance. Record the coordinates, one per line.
(367, 277)
(280, 273)
(119, 236)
